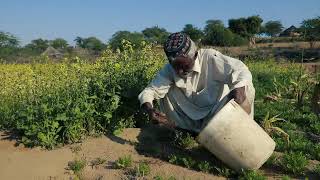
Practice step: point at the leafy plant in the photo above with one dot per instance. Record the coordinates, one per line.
(267, 125)
(251, 175)
(184, 140)
(285, 178)
(294, 162)
(143, 169)
(204, 166)
(77, 165)
(123, 162)
(317, 169)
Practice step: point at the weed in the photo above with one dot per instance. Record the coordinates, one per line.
(285, 177)
(185, 161)
(294, 162)
(251, 175)
(77, 165)
(184, 140)
(123, 162)
(317, 169)
(204, 166)
(143, 169)
(267, 125)
(224, 171)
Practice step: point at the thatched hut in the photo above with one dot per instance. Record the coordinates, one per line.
(52, 53)
(292, 31)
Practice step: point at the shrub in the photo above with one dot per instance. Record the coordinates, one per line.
(251, 175)
(143, 169)
(294, 162)
(123, 162)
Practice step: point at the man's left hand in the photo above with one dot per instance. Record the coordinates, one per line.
(238, 94)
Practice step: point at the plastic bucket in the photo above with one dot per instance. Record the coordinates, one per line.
(236, 139)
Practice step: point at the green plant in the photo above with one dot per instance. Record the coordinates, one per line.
(317, 169)
(204, 166)
(251, 175)
(185, 161)
(123, 162)
(285, 178)
(224, 171)
(77, 165)
(184, 140)
(294, 162)
(143, 169)
(267, 125)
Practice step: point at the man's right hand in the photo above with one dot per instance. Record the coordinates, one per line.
(156, 116)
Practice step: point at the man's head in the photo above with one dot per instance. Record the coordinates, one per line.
(181, 52)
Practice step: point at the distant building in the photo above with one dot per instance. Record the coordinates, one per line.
(292, 31)
(52, 53)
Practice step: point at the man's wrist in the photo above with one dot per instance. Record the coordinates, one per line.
(147, 107)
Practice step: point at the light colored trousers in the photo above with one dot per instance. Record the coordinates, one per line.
(174, 114)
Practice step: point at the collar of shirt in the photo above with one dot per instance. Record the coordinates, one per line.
(196, 66)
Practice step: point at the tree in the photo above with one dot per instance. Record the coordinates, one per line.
(156, 34)
(79, 42)
(91, 43)
(8, 40)
(134, 37)
(311, 29)
(246, 27)
(195, 33)
(38, 45)
(216, 34)
(9, 45)
(272, 28)
(59, 43)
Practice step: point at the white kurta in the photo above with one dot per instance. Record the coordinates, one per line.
(191, 101)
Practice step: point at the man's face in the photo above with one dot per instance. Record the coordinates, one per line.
(182, 65)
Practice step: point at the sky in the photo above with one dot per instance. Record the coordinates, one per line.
(32, 19)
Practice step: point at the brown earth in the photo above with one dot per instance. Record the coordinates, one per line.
(144, 145)
(18, 162)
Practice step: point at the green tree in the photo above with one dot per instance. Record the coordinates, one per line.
(311, 29)
(134, 37)
(272, 28)
(216, 34)
(79, 42)
(8, 40)
(195, 33)
(59, 43)
(93, 43)
(156, 34)
(9, 45)
(38, 45)
(246, 27)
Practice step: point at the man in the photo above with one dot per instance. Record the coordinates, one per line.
(195, 84)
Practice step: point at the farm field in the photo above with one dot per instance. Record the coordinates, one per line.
(81, 119)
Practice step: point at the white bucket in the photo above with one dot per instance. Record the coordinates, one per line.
(236, 139)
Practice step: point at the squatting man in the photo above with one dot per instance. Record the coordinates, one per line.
(195, 84)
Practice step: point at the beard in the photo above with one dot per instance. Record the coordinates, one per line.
(184, 75)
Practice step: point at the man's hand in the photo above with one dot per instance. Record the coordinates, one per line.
(156, 116)
(238, 94)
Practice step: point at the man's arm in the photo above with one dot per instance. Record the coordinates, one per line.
(157, 89)
(238, 79)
